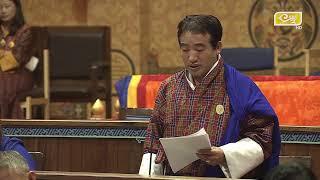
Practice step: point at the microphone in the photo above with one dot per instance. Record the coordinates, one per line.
(151, 145)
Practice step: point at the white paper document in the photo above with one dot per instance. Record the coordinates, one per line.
(181, 151)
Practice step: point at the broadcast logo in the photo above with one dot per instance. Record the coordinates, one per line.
(288, 19)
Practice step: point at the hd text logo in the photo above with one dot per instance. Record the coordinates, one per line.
(288, 19)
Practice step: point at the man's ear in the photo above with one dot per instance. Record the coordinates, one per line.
(32, 175)
(219, 47)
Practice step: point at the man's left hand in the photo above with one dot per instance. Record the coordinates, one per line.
(213, 156)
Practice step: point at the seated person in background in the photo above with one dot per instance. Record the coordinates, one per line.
(241, 124)
(14, 167)
(290, 171)
(15, 51)
(14, 144)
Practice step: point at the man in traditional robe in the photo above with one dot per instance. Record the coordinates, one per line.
(242, 126)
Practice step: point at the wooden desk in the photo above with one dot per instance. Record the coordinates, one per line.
(117, 146)
(83, 145)
(56, 175)
(302, 141)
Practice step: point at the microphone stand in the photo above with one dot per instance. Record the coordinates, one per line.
(151, 144)
(150, 163)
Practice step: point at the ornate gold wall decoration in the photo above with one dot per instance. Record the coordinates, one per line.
(144, 27)
(290, 40)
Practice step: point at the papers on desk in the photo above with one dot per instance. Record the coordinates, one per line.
(181, 151)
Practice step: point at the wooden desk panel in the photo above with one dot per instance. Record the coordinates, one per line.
(116, 146)
(92, 155)
(312, 150)
(53, 175)
(83, 145)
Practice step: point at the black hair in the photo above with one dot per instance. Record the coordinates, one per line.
(202, 24)
(290, 171)
(18, 20)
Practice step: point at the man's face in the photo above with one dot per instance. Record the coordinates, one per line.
(5, 174)
(197, 54)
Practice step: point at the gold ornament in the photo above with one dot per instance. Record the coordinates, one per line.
(2, 42)
(219, 109)
(11, 44)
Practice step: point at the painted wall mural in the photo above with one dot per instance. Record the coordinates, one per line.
(290, 40)
(144, 27)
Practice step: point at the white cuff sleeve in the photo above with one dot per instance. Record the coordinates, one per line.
(241, 157)
(156, 169)
(32, 64)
